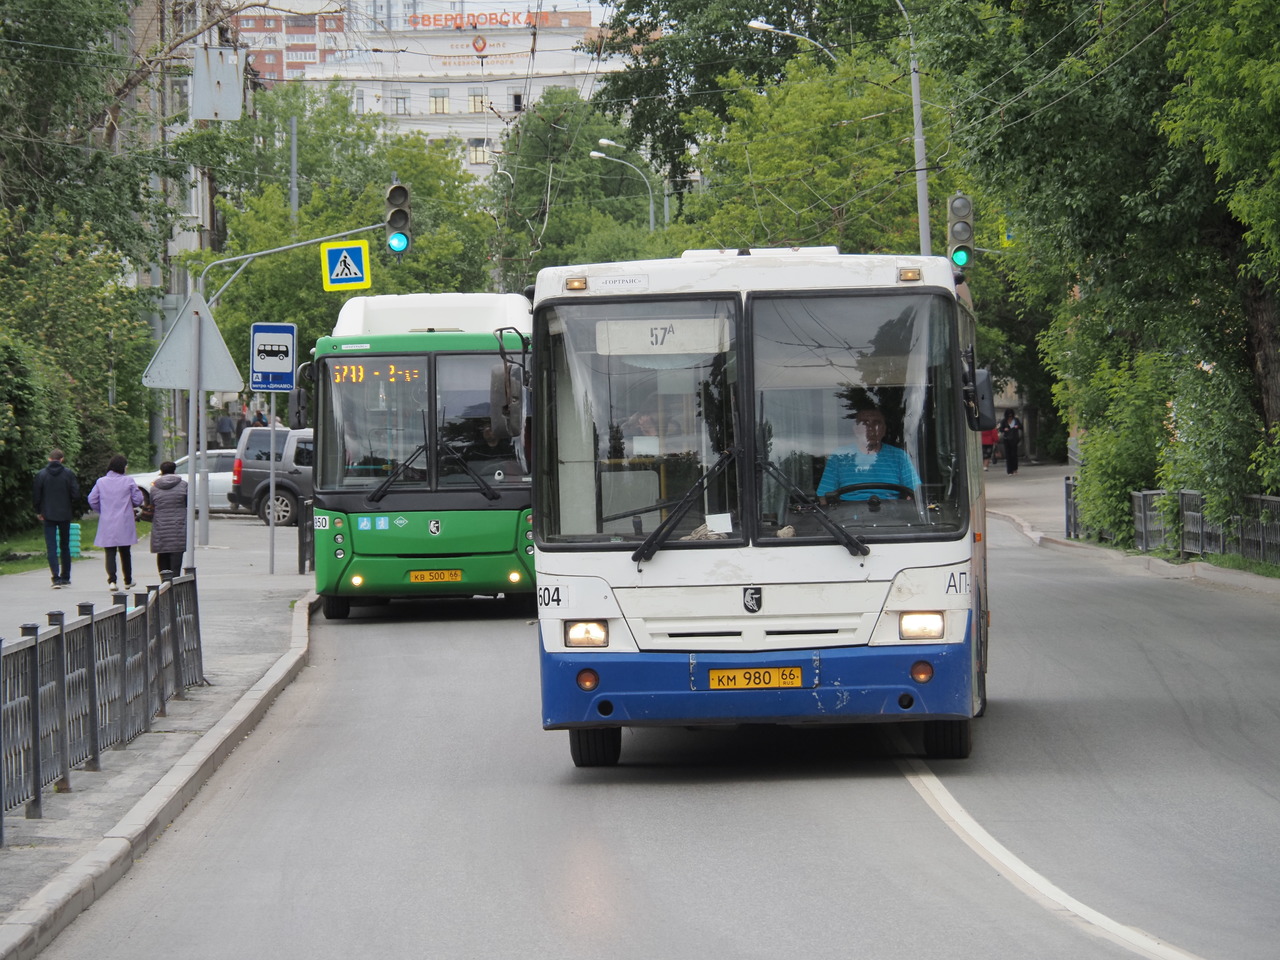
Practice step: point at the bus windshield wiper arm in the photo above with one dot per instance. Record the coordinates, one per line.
(850, 542)
(453, 454)
(395, 473)
(664, 530)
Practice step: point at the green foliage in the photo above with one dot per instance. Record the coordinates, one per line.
(556, 204)
(1119, 448)
(1265, 462)
(73, 349)
(59, 84)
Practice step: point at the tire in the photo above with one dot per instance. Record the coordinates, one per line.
(595, 746)
(335, 608)
(286, 508)
(948, 739)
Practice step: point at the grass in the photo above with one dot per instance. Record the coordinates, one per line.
(25, 551)
(1228, 561)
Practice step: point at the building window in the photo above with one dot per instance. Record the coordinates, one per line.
(400, 104)
(476, 97)
(293, 74)
(247, 23)
(268, 58)
(477, 150)
(516, 98)
(302, 56)
(439, 100)
(269, 23)
(359, 101)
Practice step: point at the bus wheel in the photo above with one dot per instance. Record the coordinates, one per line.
(336, 608)
(948, 739)
(595, 747)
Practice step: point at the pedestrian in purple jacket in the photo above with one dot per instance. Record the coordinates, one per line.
(114, 496)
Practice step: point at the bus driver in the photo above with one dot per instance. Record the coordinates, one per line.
(868, 460)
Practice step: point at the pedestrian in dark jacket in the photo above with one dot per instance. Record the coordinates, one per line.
(169, 525)
(114, 496)
(1010, 437)
(54, 493)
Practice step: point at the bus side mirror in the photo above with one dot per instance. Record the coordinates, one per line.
(980, 400)
(299, 408)
(506, 400)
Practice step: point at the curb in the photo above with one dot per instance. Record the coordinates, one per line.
(35, 924)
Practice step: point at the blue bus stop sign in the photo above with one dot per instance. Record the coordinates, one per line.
(272, 356)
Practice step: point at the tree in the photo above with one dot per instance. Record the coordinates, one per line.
(676, 53)
(1120, 231)
(59, 84)
(556, 204)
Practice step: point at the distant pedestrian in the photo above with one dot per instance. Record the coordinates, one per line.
(989, 440)
(169, 524)
(54, 493)
(259, 419)
(114, 496)
(1010, 429)
(226, 430)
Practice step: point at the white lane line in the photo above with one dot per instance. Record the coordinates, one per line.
(1038, 887)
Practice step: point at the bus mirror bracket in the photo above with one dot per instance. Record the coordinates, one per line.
(979, 396)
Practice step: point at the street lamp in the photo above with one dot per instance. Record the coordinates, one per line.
(770, 28)
(922, 173)
(597, 155)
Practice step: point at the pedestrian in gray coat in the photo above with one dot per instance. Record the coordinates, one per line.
(169, 525)
(114, 496)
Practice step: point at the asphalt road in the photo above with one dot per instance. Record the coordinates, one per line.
(401, 800)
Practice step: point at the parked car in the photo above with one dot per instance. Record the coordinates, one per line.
(219, 462)
(250, 473)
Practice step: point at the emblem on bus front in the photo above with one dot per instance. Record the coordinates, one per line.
(752, 599)
(434, 528)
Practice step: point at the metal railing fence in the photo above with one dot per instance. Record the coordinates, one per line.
(91, 682)
(1253, 533)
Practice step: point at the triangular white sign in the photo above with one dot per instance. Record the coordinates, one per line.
(171, 368)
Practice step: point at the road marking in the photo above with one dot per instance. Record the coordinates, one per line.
(1036, 886)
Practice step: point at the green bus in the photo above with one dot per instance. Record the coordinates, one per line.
(422, 479)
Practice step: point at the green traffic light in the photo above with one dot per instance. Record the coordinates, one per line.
(397, 243)
(961, 256)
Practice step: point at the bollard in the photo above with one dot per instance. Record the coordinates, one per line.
(95, 713)
(62, 721)
(35, 810)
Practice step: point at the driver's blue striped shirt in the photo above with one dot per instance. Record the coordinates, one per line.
(849, 465)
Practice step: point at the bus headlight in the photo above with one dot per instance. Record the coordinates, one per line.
(514, 576)
(586, 633)
(921, 626)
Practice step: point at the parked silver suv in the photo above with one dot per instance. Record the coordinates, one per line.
(250, 475)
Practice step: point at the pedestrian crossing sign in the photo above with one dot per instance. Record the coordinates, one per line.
(345, 265)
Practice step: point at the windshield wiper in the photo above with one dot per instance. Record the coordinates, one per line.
(851, 543)
(396, 472)
(664, 530)
(453, 454)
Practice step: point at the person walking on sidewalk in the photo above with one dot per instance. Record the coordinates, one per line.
(1010, 437)
(53, 493)
(169, 525)
(114, 496)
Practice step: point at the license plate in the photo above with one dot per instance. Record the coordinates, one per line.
(754, 679)
(435, 576)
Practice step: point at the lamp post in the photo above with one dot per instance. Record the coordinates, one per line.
(770, 28)
(922, 173)
(597, 155)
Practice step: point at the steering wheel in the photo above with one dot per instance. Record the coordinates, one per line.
(906, 493)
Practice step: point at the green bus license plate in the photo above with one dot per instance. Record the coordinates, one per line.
(435, 576)
(754, 679)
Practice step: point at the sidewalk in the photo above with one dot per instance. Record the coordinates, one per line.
(254, 632)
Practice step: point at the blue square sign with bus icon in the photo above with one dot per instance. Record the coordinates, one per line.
(272, 356)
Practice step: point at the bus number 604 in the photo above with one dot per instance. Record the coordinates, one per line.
(549, 597)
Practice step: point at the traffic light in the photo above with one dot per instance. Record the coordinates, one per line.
(399, 228)
(960, 230)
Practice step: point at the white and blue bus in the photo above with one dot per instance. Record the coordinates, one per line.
(758, 495)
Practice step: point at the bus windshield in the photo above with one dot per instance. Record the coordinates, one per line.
(849, 426)
(423, 421)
